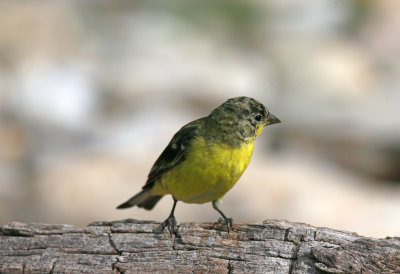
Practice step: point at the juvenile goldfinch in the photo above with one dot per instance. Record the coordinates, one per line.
(205, 158)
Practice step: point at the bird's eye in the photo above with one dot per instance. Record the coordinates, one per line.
(258, 117)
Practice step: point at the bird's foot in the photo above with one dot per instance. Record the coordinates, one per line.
(170, 222)
(228, 223)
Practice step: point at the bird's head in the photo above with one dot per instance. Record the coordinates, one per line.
(243, 118)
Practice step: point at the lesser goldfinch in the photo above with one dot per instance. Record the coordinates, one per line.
(205, 158)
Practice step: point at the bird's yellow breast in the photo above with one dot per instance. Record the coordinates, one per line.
(207, 173)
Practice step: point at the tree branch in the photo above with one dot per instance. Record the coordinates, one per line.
(131, 246)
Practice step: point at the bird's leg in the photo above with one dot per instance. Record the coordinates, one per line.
(228, 221)
(170, 222)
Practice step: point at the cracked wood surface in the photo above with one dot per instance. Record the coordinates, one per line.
(130, 246)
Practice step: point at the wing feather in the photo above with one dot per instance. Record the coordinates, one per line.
(175, 152)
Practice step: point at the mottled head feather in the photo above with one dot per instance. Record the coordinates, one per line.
(240, 119)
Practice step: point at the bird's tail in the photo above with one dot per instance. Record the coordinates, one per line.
(142, 199)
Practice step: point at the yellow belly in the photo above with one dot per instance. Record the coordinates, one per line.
(207, 173)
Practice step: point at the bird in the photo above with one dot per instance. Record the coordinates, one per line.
(205, 159)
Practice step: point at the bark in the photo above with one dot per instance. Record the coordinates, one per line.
(130, 246)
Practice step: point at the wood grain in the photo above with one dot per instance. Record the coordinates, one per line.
(130, 246)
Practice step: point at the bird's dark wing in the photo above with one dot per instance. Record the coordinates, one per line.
(175, 152)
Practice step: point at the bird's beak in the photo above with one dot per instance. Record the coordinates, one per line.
(271, 119)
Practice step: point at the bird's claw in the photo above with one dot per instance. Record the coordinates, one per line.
(228, 223)
(170, 222)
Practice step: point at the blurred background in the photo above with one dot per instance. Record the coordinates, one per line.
(92, 91)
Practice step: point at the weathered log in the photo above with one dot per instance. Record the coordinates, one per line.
(130, 246)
